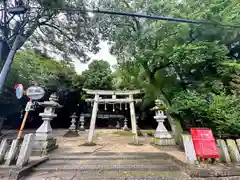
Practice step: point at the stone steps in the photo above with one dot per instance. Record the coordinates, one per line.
(106, 165)
(107, 175)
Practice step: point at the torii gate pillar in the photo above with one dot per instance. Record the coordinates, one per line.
(133, 119)
(93, 119)
(132, 113)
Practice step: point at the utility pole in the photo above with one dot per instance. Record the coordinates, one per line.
(17, 9)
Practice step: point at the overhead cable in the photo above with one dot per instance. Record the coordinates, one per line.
(131, 14)
(153, 17)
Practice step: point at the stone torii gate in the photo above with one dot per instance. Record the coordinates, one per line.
(114, 100)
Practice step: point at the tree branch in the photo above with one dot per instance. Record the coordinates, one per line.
(58, 29)
(134, 18)
(161, 67)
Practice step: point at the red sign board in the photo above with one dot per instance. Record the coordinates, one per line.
(204, 143)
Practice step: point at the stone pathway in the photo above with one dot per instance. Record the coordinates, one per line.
(106, 142)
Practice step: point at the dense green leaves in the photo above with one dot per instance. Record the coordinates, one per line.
(47, 29)
(220, 113)
(33, 69)
(98, 75)
(29, 69)
(179, 63)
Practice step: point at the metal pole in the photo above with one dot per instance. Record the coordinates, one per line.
(8, 63)
(24, 121)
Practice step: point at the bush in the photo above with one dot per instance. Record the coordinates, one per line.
(218, 112)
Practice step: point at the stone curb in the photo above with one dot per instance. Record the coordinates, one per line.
(198, 172)
(17, 174)
(194, 171)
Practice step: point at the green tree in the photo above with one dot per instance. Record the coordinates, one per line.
(43, 26)
(46, 28)
(220, 113)
(98, 75)
(176, 57)
(175, 49)
(29, 69)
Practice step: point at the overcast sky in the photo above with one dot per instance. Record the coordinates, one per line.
(103, 54)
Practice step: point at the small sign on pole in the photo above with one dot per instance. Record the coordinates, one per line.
(28, 106)
(35, 92)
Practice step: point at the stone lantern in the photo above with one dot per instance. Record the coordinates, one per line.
(72, 130)
(125, 127)
(82, 121)
(162, 136)
(73, 122)
(44, 140)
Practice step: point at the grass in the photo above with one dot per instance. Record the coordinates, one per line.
(135, 144)
(123, 133)
(88, 144)
(149, 132)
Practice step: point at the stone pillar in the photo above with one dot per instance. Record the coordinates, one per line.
(189, 149)
(225, 157)
(238, 144)
(132, 113)
(12, 154)
(3, 149)
(93, 119)
(233, 151)
(81, 121)
(25, 151)
(133, 120)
